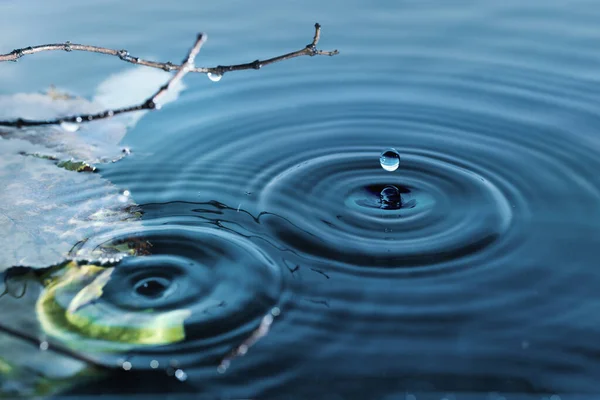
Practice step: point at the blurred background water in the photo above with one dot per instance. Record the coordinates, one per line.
(469, 272)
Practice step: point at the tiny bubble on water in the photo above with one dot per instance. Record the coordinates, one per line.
(275, 311)
(214, 77)
(223, 367)
(127, 365)
(154, 364)
(44, 346)
(390, 159)
(181, 375)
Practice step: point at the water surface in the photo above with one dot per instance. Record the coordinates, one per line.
(471, 271)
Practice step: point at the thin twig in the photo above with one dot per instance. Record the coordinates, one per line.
(309, 50)
(149, 104)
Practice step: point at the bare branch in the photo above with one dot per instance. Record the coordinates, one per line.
(150, 104)
(309, 50)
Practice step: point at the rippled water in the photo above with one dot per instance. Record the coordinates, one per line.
(274, 233)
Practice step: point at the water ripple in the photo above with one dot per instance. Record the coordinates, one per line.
(470, 267)
(199, 294)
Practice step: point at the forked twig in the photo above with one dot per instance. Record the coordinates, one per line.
(149, 104)
(308, 50)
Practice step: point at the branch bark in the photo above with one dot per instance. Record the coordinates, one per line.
(186, 66)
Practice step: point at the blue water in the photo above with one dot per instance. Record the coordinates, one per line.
(469, 272)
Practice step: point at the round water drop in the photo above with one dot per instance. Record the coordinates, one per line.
(44, 346)
(69, 126)
(390, 159)
(127, 365)
(214, 77)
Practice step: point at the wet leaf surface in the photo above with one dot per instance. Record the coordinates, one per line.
(50, 200)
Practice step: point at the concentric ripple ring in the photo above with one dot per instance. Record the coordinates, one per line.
(199, 293)
(419, 231)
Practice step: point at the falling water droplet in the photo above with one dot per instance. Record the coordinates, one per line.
(154, 364)
(127, 365)
(214, 77)
(44, 346)
(389, 159)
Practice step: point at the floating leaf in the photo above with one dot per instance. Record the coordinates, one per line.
(49, 202)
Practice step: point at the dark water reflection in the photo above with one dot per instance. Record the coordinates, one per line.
(472, 268)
